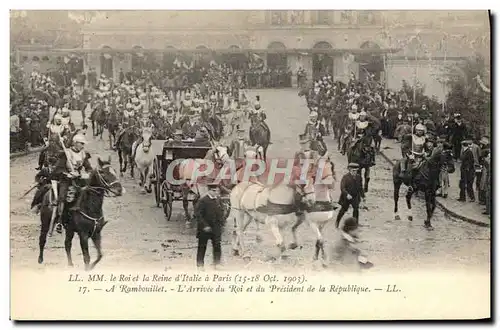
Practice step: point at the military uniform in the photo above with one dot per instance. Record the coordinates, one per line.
(80, 160)
(412, 161)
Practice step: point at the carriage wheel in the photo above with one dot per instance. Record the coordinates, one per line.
(167, 205)
(156, 181)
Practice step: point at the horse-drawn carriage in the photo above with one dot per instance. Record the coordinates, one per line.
(165, 189)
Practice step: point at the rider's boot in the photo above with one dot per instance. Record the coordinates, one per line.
(41, 159)
(60, 216)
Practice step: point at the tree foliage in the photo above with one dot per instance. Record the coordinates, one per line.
(57, 28)
(466, 97)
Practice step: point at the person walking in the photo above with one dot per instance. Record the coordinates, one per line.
(209, 217)
(351, 193)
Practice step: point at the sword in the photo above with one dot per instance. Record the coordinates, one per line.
(26, 193)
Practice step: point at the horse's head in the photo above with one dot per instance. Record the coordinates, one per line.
(146, 140)
(104, 177)
(254, 152)
(446, 158)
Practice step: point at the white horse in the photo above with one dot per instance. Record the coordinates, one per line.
(323, 210)
(269, 204)
(194, 171)
(143, 159)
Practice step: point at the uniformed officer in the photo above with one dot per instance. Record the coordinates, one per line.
(351, 192)
(71, 167)
(209, 214)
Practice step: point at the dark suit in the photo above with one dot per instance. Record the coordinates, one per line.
(467, 174)
(209, 213)
(350, 185)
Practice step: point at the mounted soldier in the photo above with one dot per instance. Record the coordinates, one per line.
(70, 170)
(315, 131)
(366, 130)
(66, 119)
(414, 159)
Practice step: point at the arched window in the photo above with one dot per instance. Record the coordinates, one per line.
(137, 59)
(203, 58)
(278, 59)
(236, 59)
(168, 58)
(322, 63)
(106, 60)
(370, 63)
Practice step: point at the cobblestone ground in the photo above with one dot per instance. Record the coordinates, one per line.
(139, 235)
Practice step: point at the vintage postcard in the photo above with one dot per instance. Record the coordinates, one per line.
(279, 164)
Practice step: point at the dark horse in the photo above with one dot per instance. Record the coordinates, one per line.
(112, 123)
(259, 134)
(359, 153)
(98, 118)
(85, 217)
(125, 149)
(425, 178)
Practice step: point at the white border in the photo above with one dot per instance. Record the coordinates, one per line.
(127, 4)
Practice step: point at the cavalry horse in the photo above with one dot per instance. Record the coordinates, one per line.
(424, 178)
(270, 201)
(359, 153)
(259, 134)
(144, 156)
(112, 123)
(125, 149)
(85, 215)
(98, 118)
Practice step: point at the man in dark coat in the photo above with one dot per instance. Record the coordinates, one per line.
(351, 192)
(458, 131)
(467, 172)
(209, 216)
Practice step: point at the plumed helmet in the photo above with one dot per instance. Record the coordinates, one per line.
(420, 127)
(362, 124)
(79, 138)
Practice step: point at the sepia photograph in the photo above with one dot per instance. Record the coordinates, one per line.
(279, 164)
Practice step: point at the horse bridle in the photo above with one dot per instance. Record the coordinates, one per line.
(105, 185)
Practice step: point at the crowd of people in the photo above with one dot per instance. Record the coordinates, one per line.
(418, 127)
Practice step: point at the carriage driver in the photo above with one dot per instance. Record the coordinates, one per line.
(69, 172)
(413, 159)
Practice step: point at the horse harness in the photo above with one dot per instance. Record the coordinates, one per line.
(106, 187)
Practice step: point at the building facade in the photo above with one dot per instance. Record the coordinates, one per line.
(390, 45)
